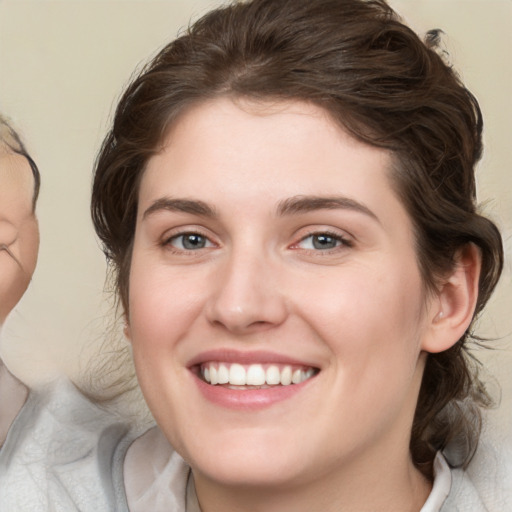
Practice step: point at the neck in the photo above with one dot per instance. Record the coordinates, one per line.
(362, 485)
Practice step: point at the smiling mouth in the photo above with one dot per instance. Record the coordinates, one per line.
(254, 376)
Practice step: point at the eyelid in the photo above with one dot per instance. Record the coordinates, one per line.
(180, 231)
(208, 242)
(344, 239)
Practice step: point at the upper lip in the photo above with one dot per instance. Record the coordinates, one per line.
(245, 357)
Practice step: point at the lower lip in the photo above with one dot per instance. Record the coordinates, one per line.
(248, 399)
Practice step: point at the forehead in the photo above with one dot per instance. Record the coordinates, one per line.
(250, 142)
(249, 158)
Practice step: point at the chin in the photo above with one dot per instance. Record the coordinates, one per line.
(248, 473)
(249, 461)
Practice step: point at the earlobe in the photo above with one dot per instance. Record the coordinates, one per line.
(127, 330)
(455, 304)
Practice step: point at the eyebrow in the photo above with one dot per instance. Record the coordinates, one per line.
(289, 206)
(170, 204)
(305, 204)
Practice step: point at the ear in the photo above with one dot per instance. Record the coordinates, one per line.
(127, 329)
(452, 309)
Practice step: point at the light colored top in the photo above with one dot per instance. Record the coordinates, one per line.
(65, 454)
(168, 483)
(13, 395)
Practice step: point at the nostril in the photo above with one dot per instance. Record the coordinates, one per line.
(238, 305)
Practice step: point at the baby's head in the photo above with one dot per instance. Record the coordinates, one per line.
(19, 233)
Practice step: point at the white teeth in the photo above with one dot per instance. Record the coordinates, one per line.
(222, 374)
(286, 376)
(237, 375)
(213, 375)
(254, 375)
(273, 375)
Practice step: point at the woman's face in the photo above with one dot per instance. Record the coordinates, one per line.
(19, 234)
(270, 247)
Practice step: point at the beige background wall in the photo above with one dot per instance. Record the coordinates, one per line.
(62, 66)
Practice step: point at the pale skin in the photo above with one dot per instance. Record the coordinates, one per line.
(265, 232)
(19, 234)
(19, 244)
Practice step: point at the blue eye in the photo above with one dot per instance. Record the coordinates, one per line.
(321, 242)
(190, 242)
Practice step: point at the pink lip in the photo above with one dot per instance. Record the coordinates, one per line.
(249, 399)
(235, 356)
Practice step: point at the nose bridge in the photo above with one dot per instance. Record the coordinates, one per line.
(247, 294)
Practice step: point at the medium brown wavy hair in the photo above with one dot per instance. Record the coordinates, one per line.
(381, 83)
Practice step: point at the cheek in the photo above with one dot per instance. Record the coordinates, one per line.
(372, 321)
(372, 329)
(8, 232)
(29, 245)
(13, 283)
(162, 305)
(163, 308)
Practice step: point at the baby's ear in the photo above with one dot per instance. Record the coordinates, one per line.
(453, 308)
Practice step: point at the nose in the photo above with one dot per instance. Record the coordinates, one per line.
(246, 297)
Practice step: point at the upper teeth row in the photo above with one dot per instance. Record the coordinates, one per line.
(254, 374)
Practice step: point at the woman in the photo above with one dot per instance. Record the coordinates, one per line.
(287, 198)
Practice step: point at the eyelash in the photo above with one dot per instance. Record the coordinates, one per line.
(167, 242)
(342, 241)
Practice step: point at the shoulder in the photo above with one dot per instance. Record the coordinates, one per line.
(486, 484)
(156, 477)
(63, 453)
(463, 496)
